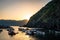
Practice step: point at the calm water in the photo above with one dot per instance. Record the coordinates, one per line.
(20, 36)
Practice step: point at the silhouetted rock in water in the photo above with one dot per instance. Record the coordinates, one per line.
(1, 30)
(9, 29)
(12, 33)
(29, 32)
(48, 17)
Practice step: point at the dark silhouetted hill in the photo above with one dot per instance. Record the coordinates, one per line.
(47, 17)
(13, 22)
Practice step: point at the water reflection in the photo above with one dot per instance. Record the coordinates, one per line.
(19, 36)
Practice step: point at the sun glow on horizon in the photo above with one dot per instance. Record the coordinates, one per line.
(28, 16)
(17, 10)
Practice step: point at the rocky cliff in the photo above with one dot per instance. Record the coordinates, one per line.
(47, 17)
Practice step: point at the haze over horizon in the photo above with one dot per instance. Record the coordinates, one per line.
(19, 10)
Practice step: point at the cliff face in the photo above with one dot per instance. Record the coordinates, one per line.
(47, 17)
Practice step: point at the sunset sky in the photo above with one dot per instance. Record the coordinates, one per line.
(20, 9)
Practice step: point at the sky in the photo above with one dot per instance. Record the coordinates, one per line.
(20, 9)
